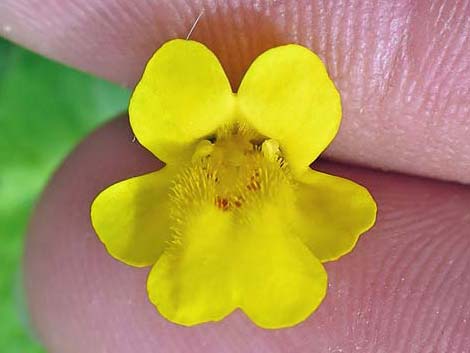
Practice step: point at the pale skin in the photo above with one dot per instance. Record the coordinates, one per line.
(403, 70)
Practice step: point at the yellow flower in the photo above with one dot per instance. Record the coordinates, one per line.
(236, 218)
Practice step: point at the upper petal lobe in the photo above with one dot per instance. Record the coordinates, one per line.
(183, 96)
(287, 95)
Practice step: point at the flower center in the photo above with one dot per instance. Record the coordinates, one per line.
(235, 170)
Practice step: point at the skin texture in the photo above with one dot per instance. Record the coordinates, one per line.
(403, 71)
(404, 288)
(402, 67)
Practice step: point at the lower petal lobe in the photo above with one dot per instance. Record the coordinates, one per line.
(334, 212)
(282, 282)
(131, 217)
(192, 282)
(249, 258)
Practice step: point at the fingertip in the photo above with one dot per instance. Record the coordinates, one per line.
(406, 279)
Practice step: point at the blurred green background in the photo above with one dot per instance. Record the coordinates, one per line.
(45, 110)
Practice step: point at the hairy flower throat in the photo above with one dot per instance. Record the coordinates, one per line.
(233, 172)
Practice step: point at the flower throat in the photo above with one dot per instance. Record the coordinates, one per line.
(232, 170)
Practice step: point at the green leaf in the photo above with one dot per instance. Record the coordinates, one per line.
(45, 110)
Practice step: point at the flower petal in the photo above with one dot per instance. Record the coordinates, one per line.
(287, 95)
(192, 282)
(249, 260)
(334, 212)
(131, 217)
(183, 95)
(281, 281)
